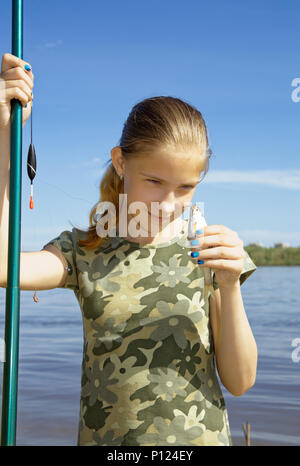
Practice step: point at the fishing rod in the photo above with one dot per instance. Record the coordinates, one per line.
(12, 304)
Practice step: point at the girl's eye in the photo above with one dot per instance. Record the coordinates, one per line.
(153, 181)
(185, 187)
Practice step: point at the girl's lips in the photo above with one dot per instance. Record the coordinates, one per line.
(154, 216)
(161, 218)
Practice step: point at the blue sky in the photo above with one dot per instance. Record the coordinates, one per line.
(235, 61)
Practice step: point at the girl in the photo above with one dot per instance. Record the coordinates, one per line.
(152, 343)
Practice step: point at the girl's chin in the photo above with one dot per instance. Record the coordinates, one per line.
(165, 219)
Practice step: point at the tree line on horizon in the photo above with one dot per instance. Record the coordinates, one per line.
(273, 256)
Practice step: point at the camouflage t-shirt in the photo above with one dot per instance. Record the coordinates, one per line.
(148, 370)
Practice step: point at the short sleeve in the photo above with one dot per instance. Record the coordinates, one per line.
(248, 269)
(66, 243)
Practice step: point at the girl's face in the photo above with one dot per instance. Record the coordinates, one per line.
(165, 177)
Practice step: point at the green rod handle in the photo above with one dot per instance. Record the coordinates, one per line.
(12, 305)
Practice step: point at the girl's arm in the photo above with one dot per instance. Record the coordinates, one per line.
(235, 346)
(39, 270)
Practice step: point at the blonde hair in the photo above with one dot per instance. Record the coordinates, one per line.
(153, 123)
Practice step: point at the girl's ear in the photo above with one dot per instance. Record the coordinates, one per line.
(117, 159)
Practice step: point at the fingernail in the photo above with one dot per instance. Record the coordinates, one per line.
(195, 254)
(194, 242)
(199, 232)
(27, 67)
(200, 261)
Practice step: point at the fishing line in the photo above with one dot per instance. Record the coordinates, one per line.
(58, 187)
(31, 171)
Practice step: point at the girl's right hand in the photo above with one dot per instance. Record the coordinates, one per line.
(15, 83)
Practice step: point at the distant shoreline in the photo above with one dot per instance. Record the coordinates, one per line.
(273, 255)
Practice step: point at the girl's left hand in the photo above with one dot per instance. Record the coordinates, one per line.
(223, 251)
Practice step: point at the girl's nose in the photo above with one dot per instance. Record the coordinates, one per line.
(168, 199)
(168, 207)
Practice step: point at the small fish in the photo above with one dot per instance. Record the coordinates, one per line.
(197, 222)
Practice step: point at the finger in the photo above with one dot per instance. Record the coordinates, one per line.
(216, 229)
(221, 240)
(19, 92)
(21, 85)
(218, 253)
(16, 93)
(195, 242)
(11, 61)
(17, 73)
(223, 264)
(204, 242)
